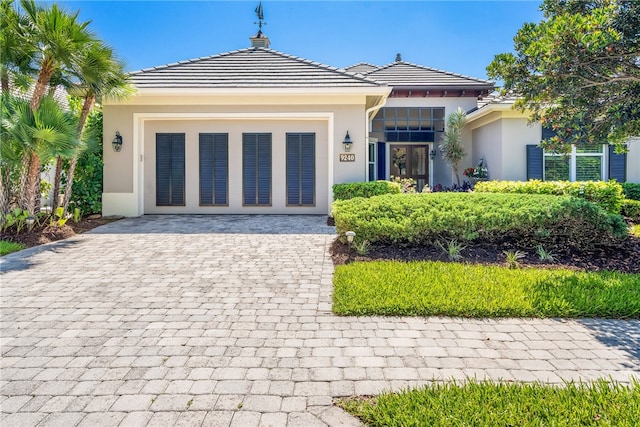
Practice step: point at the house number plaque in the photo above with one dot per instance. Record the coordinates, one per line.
(347, 157)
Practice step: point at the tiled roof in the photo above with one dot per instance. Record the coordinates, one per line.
(59, 94)
(361, 67)
(400, 73)
(248, 68)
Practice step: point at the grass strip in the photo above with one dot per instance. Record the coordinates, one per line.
(7, 247)
(599, 403)
(433, 288)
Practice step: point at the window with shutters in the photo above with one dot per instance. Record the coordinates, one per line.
(256, 169)
(214, 169)
(170, 180)
(301, 169)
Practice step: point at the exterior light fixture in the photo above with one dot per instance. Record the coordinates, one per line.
(347, 142)
(117, 142)
(432, 153)
(350, 235)
(29, 221)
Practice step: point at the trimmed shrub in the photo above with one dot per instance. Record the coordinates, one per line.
(631, 209)
(607, 195)
(364, 189)
(631, 190)
(426, 218)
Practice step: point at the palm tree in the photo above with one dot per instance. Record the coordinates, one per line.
(58, 39)
(47, 132)
(98, 74)
(16, 53)
(451, 145)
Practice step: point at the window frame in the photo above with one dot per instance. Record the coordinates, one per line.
(573, 156)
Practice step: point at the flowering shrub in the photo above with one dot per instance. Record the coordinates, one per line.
(407, 185)
(479, 171)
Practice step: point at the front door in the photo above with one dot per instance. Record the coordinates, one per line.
(410, 161)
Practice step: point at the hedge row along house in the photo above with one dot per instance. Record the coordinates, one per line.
(257, 131)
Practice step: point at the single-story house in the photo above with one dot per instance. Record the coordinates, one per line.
(259, 131)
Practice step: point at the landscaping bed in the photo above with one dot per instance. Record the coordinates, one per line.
(47, 233)
(623, 256)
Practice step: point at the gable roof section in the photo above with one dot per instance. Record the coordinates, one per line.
(361, 67)
(248, 68)
(405, 74)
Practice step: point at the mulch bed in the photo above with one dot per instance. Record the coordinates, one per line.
(47, 233)
(623, 257)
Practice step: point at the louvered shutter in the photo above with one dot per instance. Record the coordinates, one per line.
(293, 169)
(547, 133)
(177, 170)
(382, 159)
(264, 169)
(617, 165)
(301, 169)
(214, 169)
(256, 169)
(170, 169)
(308, 168)
(535, 162)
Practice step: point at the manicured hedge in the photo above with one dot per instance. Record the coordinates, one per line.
(631, 190)
(364, 189)
(631, 209)
(427, 218)
(607, 195)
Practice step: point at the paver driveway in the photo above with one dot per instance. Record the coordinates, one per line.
(225, 320)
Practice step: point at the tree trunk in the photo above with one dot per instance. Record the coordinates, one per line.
(44, 77)
(4, 83)
(5, 192)
(24, 177)
(56, 184)
(32, 183)
(86, 108)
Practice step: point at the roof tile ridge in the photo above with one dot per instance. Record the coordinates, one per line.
(324, 66)
(424, 67)
(188, 61)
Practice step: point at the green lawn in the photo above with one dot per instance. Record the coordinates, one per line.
(8, 247)
(500, 404)
(453, 289)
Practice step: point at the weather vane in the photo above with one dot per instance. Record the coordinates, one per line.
(260, 15)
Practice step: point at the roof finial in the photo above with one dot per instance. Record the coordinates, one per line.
(260, 15)
(398, 57)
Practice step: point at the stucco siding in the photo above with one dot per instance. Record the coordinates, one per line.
(633, 162)
(488, 145)
(516, 135)
(130, 174)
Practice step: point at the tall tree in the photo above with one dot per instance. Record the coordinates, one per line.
(98, 74)
(16, 53)
(58, 39)
(451, 145)
(578, 71)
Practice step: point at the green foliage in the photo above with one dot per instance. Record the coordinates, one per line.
(415, 219)
(87, 179)
(635, 230)
(17, 218)
(364, 189)
(9, 247)
(362, 247)
(429, 288)
(452, 249)
(608, 195)
(76, 215)
(474, 403)
(451, 145)
(544, 255)
(577, 71)
(631, 209)
(512, 258)
(631, 190)
(58, 219)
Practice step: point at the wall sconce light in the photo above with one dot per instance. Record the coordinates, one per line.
(117, 142)
(432, 153)
(347, 142)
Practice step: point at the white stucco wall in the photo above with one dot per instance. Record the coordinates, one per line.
(129, 184)
(487, 144)
(633, 162)
(516, 135)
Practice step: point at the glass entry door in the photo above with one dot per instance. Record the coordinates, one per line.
(410, 161)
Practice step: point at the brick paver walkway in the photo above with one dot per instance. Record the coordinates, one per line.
(209, 320)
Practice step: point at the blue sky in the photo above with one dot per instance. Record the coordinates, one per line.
(457, 36)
